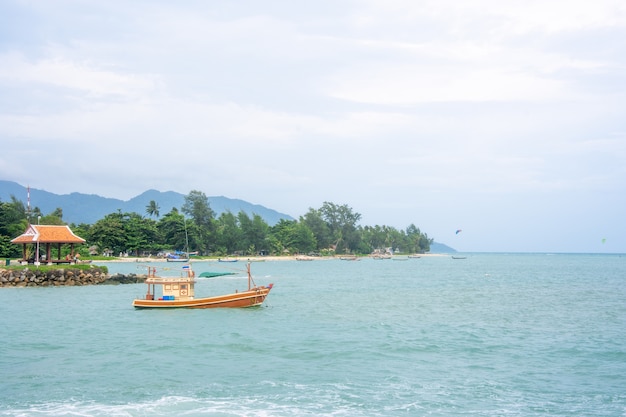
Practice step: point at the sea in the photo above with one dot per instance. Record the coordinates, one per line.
(488, 335)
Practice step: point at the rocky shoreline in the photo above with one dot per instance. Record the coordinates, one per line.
(64, 277)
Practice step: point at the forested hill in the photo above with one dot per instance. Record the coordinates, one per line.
(88, 208)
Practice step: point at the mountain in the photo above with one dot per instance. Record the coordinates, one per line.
(89, 208)
(436, 247)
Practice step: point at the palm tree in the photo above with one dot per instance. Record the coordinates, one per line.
(152, 209)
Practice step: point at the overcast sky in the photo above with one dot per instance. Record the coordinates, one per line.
(506, 119)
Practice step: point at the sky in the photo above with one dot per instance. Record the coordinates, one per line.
(505, 119)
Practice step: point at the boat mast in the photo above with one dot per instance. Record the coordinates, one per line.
(250, 279)
(186, 238)
(249, 276)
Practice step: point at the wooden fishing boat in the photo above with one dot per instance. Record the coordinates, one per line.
(227, 260)
(178, 292)
(177, 259)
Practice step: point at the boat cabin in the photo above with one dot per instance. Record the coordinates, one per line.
(172, 288)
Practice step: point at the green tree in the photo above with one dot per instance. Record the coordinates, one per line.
(108, 233)
(123, 232)
(152, 209)
(228, 234)
(294, 236)
(315, 222)
(33, 215)
(342, 223)
(8, 249)
(198, 208)
(375, 237)
(258, 234)
(254, 233)
(396, 239)
(54, 218)
(140, 233)
(83, 230)
(173, 230)
(331, 226)
(13, 222)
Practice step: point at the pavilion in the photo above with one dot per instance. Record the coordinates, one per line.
(48, 235)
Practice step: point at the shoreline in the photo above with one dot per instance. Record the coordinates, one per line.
(256, 258)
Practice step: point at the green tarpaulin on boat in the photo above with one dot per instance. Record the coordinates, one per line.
(214, 274)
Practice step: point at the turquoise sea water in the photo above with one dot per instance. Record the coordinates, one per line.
(490, 335)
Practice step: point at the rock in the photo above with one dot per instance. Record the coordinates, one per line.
(63, 277)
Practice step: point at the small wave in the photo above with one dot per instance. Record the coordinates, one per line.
(260, 406)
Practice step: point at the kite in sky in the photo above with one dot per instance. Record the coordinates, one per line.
(457, 231)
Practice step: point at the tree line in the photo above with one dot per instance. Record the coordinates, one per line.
(194, 227)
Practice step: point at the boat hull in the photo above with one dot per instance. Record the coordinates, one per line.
(251, 298)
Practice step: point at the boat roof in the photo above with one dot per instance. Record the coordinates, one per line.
(168, 280)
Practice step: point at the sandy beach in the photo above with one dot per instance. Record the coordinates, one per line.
(256, 258)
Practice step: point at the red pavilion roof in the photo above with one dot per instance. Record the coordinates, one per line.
(48, 234)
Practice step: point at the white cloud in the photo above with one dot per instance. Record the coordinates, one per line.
(496, 18)
(432, 108)
(65, 73)
(415, 84)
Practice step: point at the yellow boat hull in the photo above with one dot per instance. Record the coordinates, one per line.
(251, 298)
